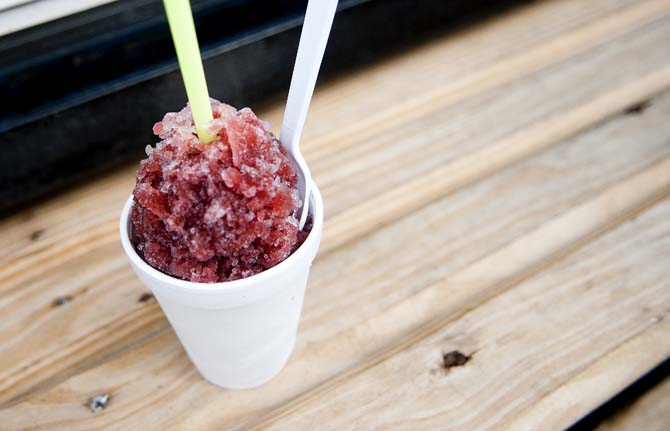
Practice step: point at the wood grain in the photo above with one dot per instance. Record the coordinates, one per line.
(314, 360)
(90, 237)
(533, 341)
(649, 412)
(500, 132)
(447, 64)
(403, 199)
(618, 367)
(364, 155)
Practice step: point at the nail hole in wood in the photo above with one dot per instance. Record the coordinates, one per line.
(61, 300)
(98, 403)
(36, 235)
(638, 108)
(146, 297)
(454, 359)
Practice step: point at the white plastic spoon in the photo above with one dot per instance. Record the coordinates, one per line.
(313, 39)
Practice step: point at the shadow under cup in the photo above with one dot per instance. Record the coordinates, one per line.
(239, 334)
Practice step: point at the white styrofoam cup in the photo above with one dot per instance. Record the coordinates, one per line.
(239, 334)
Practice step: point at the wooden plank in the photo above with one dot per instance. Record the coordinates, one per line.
(330, 346)
(533, 343)
(453, 89)
(446, 171)
(447, 64)
(610, 374)
(494, 212)
(124, 344)
(649, 412)
(105, 300)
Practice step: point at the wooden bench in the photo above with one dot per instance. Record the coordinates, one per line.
(495, 253)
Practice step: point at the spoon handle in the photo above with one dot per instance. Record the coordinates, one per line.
(313, 39)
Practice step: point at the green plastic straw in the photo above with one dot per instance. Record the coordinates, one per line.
(185, 40)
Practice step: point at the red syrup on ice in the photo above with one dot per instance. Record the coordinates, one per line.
(219, 211)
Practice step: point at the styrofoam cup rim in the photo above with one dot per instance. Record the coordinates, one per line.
(229, 287)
